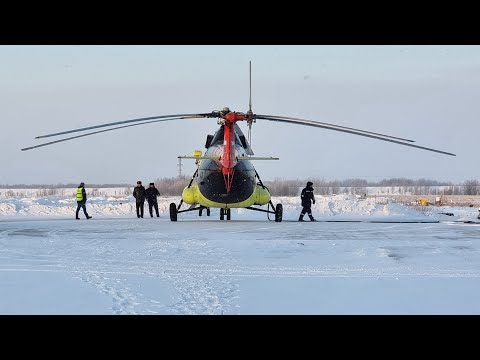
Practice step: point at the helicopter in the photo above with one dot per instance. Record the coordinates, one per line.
(225, 177)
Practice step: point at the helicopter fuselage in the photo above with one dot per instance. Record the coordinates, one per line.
(212, 187)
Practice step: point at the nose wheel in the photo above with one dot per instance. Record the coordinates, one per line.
(278, 213)
(173, 212)
(201, 211)
(225, 212)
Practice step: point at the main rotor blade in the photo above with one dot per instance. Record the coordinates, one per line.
(320, 125)
(316, 123)
(101, 131)
(121, 122)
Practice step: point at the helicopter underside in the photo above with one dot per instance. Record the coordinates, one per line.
(210, 188)
(211, 182)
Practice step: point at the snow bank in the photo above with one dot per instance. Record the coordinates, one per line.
(349, 206)
(337, 207)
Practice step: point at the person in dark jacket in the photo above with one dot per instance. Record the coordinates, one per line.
(81, 201)
(151, 193)
(139, 195)
(307, 199)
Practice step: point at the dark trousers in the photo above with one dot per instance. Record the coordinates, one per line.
(140, 208)
(81, 205)
(307, 209)
(153, 204)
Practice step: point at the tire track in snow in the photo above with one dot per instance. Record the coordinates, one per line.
(124, 300)
(200, 287)
(335, 272)
(203, 291)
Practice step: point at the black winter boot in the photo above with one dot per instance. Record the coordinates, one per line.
(301, 218)
(311, 218)
(88, 217)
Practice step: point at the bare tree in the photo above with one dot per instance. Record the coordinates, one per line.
(471, 187)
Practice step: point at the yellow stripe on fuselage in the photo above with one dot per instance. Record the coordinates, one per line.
(192, 195)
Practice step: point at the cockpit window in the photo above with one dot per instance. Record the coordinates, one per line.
(218, 137)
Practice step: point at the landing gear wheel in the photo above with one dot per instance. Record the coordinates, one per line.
(222, 213)
(228, 214)
(278, 213)
(173, 212)
(208, 211)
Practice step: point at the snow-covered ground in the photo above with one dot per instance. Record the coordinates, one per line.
(387, 259)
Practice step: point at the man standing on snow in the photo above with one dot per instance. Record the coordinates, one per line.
(151, 193)
(139, 195)
(81, 201)
(307, 199)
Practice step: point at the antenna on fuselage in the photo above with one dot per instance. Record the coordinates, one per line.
(179, 167)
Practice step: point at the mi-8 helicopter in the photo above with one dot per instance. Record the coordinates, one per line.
(225, 177)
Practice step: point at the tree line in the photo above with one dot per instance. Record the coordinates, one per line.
(282, 187)
(173, 186)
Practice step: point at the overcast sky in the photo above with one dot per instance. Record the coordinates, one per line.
(426, 93)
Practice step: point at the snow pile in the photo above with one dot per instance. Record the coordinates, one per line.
(65, 206)
(335, 207)
(348, 206)
(64, 192)
(8, 209)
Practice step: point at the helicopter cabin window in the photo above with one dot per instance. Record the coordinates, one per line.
(208, 142)
(218, 138)
(243, 141)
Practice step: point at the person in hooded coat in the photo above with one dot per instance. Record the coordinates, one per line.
(307, 199)
(139, 195)
(81, 201)
(151, 193)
